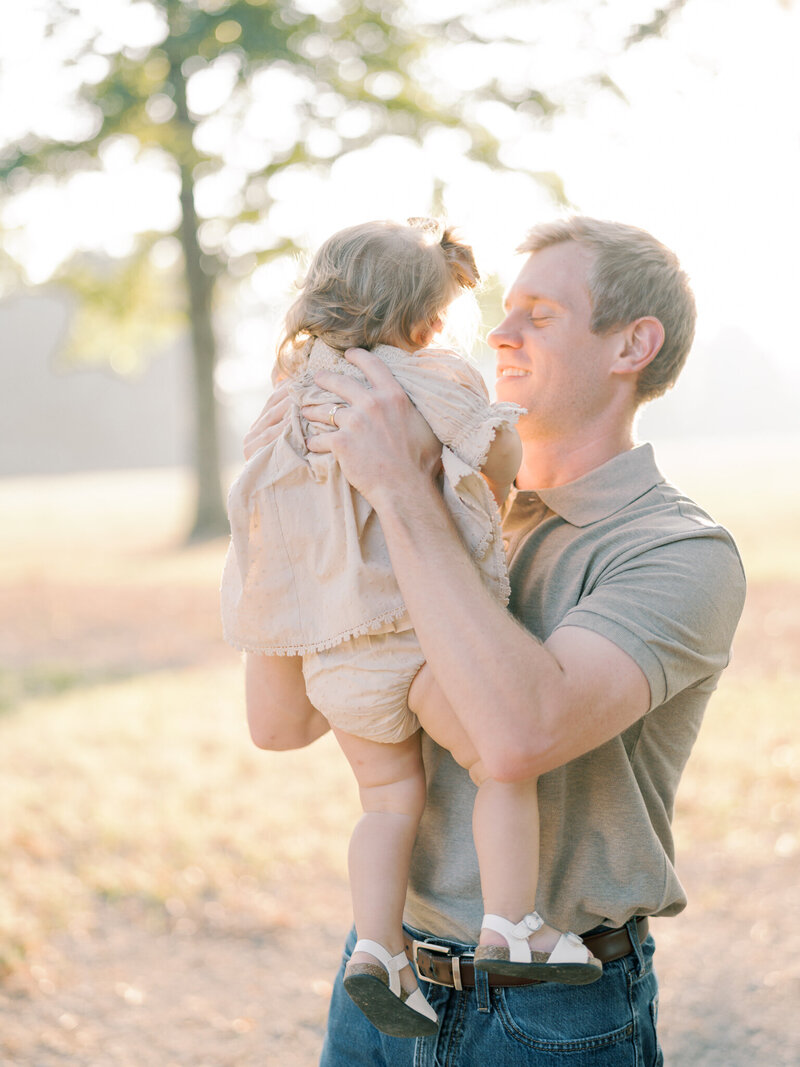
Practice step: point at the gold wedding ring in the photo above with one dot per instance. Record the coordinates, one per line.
(332, 414)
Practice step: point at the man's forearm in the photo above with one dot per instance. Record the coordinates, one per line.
(491, 670)
(527, 707)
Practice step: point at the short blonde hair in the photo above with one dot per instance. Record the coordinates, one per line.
(632, 275)
(374, 284)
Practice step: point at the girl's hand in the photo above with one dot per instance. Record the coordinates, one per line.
(382, 443)
(503, 462)
(267, 426)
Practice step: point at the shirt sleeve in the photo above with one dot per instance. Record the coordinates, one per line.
(452, 396)
(672, 607)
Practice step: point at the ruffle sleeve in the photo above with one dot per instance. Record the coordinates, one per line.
(452, 396)
(469, 500)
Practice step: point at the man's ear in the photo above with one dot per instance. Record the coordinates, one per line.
(643, 339)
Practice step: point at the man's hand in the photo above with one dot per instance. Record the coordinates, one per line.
(267, 426)
(382, 443)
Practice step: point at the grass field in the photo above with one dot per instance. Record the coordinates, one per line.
(127, 780)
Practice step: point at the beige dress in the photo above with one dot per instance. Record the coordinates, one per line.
(308, 570)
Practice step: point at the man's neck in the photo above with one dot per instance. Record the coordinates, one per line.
(556, 461)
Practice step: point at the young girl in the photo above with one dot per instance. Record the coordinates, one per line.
(308, 575)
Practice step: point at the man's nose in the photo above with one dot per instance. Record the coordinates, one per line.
(504, 335)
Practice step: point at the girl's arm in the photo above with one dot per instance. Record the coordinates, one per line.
(279, 713)
(503, 462)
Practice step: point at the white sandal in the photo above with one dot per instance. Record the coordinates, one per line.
(376, 989)
(570, 961)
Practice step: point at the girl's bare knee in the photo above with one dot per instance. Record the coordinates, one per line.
(404, 796)
(391, 777)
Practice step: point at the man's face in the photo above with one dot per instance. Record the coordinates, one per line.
(548, 359)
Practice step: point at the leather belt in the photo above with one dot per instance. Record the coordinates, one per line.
(436, 963)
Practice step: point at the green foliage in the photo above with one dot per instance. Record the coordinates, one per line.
(658, 24)
(357, 58)
(298, 86)
(125, 308)
(354, 73)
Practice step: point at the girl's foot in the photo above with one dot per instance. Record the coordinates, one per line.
(542, 939)
(390, 999)
(408, 980)
(532, 949)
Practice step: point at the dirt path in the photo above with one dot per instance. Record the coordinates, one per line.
(144, 989)
(137, 994)
(131, 995)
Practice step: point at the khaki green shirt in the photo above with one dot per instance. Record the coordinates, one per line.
(622, 553)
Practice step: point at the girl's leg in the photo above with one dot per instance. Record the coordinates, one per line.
(391, 782)
(505, 826)
(279, 713)
(505, 820)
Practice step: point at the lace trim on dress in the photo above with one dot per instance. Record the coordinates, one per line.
(320, 646)
(474, 446)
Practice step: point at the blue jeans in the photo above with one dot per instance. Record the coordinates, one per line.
(610, 1023)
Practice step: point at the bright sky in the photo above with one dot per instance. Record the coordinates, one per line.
(706, 155)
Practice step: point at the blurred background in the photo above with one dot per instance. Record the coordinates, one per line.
(165, 166)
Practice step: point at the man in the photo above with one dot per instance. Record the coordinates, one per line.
(625, 597)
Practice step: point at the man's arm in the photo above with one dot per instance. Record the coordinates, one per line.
(526, 707)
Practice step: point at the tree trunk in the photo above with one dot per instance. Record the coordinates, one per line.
(210, 516)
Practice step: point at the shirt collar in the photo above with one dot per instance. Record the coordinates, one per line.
(603, 491)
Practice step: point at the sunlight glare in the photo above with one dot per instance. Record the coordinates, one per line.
(705, 154)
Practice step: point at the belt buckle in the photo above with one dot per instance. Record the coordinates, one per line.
(455, 963)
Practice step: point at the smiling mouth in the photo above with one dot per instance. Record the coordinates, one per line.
(512, 372)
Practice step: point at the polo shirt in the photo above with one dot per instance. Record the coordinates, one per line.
(625, 554)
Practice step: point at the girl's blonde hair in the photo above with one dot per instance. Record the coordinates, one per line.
(374, 284)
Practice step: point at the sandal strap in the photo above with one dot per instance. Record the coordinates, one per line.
(570, 949)
(417, 1002)
(393, 964)
(516, 934)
